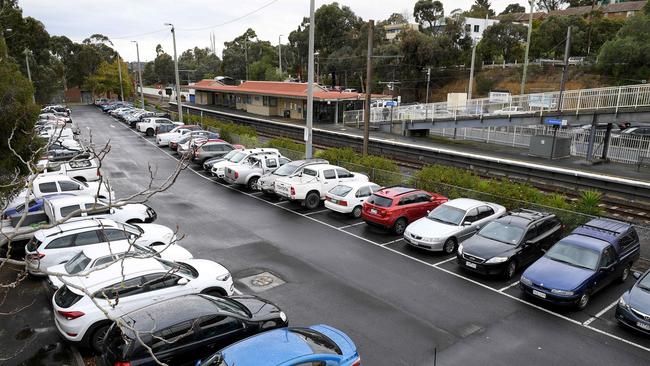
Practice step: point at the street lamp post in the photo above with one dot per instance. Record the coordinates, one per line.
(310, 84)
(29, 73)
(137, 51)
(178, 83)
(470, 87)
(530, 32)
(280, 53)
(2, 32)
(119, 73)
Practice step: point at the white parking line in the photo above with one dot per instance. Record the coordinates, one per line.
(256, 193)
(352, 225)
(273, 203)
(510, 285)
(600, 313)
(317, 212)
(391, 242)
(560, 316)
(445, 261)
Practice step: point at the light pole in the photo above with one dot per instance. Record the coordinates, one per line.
(2, 32)
(530, 32)
(280, 53)
(137, 51)
(119, 73)
(310, 84)
(178, 83)
(471, 71)
(29, 73)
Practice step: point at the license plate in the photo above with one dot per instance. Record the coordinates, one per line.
(470, 264)
(540, 294)
(373, 211)
(334, 201)
(643, 325)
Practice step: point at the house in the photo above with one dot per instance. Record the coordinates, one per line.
(393, 30)
(282, 99)
(617, 10)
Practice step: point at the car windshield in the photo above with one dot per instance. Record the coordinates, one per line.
(231, 306)
(80, 182)
(77, 264)
(447, 215)
(230, 154)
(380, 201)
(502, 232)
(238, 157)
(286, 169)
(133, 229)
(340, 190)
(178, 267)
(574, 255)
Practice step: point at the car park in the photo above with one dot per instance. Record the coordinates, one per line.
(309, 187)
(510, 242)
(185, 329)
(316, 345)
(267, 181)
(633, 308)
(348, 198)
(449, 224)
(249, 171)
(594, 255)
(211, 150)
(60, 243)
(394, 208)
(126, 286)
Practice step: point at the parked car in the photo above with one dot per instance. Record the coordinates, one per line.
(633, 308)
(396, 207)
(163, 139)
(181, 139)
(185, 145)
(508, 243)
(348, 198)
(219, 168)
(450, 224)
(148, 125)
(127, 286)
(309, 187)
(89, 258)
(267, 181)
(190, 328)
(80, 168)
(510, 110)
(583, 263)
(316, 345)
(249, 171)
(34, 205)
(46, 184)
(210, 150)
(60, 243)
(208, 164)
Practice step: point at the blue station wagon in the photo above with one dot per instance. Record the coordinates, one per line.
(583, 263)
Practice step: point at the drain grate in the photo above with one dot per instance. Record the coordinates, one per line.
(262, 281)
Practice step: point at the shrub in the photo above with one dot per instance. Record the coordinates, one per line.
(589, 202)
(285, 143)
(338, 155)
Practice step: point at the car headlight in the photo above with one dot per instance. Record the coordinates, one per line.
(562, 292)
(283, 316)
(460, 249)
(525, 281)
(622, 303)
(497, 260)
(223, 277)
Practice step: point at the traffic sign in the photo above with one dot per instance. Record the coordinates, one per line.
(391, 103)
(555, 122)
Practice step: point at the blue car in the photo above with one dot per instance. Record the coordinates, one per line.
(633, 309)
(583, 263)
(316, 345)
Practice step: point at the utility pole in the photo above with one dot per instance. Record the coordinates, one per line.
(310, 84)
(178, 82)
(426, 98)
(366, 110)
(29, 73)
(246, 56)
(119, 73)
(471, 72)
(280, 53)
(530, 32)
(137, 51)
(565, 69)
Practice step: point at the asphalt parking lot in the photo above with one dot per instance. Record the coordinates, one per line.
(401, 306)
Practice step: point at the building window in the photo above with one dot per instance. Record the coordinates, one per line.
(468, 27)
(247, 99)
(265, 101)
(477, 28)
(257, 98)
(273, 102)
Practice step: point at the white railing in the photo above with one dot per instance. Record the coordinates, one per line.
(630, 96)
(622, 148)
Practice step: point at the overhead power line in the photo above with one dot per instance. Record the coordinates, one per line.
(232, 20)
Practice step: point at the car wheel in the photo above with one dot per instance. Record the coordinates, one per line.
(149, 132)
(97, 338)
(252, 184)
(583, 301)
(312, 200)
(511, 269)
(356, 212)
(450, 246)
(399, 226)
(626, 273)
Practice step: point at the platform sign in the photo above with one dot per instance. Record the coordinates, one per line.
(555, 122)
(499, 97)
(541, 100)
(390, 103)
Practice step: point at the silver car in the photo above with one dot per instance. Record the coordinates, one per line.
(266, 183)
(451, 223)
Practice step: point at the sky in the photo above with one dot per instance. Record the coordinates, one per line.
(143, 21)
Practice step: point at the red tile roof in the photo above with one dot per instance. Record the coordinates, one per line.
(276, 88)
(581, 10)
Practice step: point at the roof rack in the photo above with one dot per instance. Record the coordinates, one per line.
(531, 212)
(598, 228)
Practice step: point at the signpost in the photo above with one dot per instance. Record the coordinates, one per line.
(556, 123)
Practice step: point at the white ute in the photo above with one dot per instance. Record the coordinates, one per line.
(311, 186)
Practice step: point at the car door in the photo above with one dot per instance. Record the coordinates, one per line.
(329, 180)
(217, 331)
(407, 206)
(485, 214)
(344, 175)
(47, 188)
(362, 194)
(127, 293)
(468, 224)
(175, 344)
(58, 250)
(162, 285)
(423, 202)
(607, 268)
(98, 210)
(69, 186)
(530, 246)
(550, 232)
(270, 164)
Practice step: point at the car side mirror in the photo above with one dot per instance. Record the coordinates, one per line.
(467, 223)
(636, 274)
(182, 281)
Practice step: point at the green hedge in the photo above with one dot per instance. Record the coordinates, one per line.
(380, 170)
(285, 143)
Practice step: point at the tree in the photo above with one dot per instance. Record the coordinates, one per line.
(550, 5)
(396, 18)
(628, 54)
(577, 3)
(503, 42)
(206, 65)
(549, 37)
(106, 79)
(513, 9)
(480, 9)
(163, 66)
(428, 11)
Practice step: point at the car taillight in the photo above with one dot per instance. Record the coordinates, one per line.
(127, 363)
(70, 315)
(383, 213)
(356, 362)
(293, 191)
(343, 203)
(236, 175)
(36, 256)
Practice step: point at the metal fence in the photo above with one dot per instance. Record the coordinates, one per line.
(630, 96)
(623, 148)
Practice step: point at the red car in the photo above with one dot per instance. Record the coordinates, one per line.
(395, 207)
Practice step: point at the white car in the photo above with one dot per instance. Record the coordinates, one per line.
(511, 110)
(132, 213)
(89, 258)
(149, 124)
(46, 184)
(219, 168)
(127, 286)
(163, 139)
(444, 228)
(84, 170)
(59, 244)
(348, 198)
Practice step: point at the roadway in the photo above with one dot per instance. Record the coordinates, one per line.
(401, 306)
